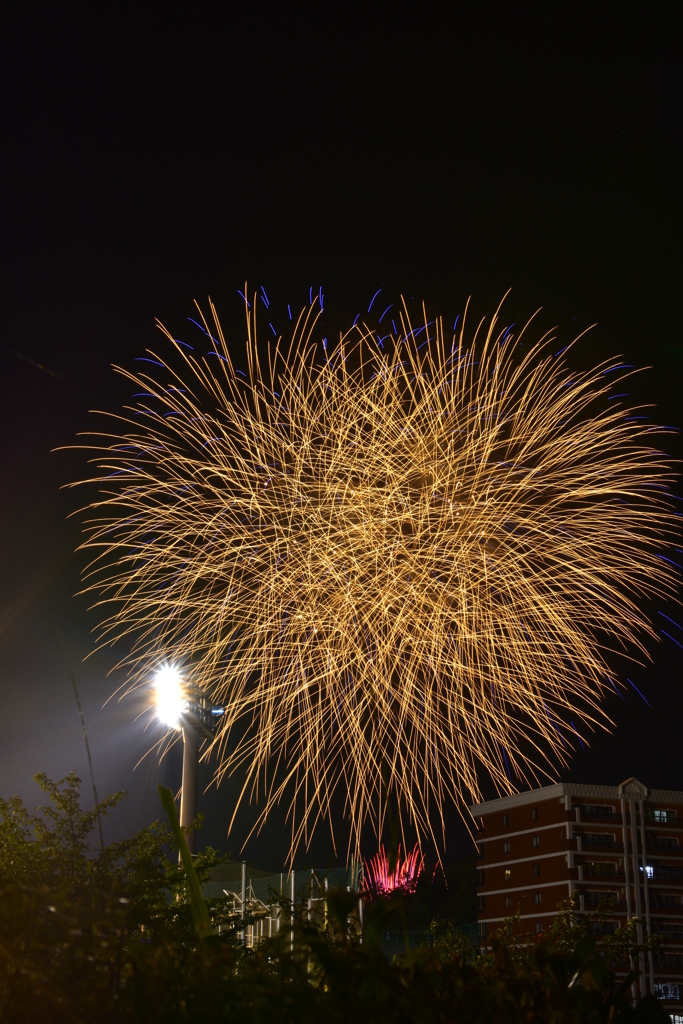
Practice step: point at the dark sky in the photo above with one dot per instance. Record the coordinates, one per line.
(149, 159)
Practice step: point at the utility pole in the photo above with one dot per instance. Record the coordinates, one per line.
(243, 933)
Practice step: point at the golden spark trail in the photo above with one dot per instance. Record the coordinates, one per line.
(416, 558)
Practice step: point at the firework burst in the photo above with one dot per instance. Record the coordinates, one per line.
(398, 553)
(380, 880)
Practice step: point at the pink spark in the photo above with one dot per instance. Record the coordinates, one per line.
(379, 881)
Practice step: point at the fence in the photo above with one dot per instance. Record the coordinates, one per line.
(255, 893)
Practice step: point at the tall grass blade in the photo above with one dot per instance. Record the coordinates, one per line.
(199, 911)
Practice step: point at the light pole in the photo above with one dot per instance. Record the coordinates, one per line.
(189, 793)
(183, 706)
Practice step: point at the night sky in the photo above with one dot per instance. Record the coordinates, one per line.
(148, 161)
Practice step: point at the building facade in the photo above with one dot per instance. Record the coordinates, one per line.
(626, 842)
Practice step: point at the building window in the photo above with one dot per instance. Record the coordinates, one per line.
(507, 873)
(506, 847)
(537, 869)
(534, 813)
(535, 840)
(661, 815)
(506, 819)
(667, 991)
(508, 902)
(482, 876)
(537, 898)
(482, 904)
(482, 929)
(539, 927)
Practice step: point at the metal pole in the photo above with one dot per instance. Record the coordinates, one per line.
(243, 933)
(293, 895)
(188, 799)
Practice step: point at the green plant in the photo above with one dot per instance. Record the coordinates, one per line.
(120, 935)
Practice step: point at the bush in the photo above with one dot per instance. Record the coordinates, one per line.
(109, 936)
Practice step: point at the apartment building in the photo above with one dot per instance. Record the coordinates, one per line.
(537, 848)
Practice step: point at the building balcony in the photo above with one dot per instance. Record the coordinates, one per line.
(595, 842)
(668, 961)
(664, 873)
(600, 875)
(593, 814)
(663, 843)
(521, 852)
(660, 901)
(602, 928)
(616, 906)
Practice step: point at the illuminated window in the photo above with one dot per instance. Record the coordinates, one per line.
(666, 990)
(508, 902)
(539, 927)
(534, 813)
(506, 819)
(660, 815)
(537, 869)
(506, 847)
(536, 841)
(537, 897)
(507, 873)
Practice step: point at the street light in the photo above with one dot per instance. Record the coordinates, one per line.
(182, 705)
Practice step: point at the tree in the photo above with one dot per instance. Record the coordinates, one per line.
(113, 935)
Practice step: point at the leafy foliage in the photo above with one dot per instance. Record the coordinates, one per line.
(109, 936)
(51, 850)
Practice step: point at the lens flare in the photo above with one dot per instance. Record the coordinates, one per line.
(168, 696)
(397, 555)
